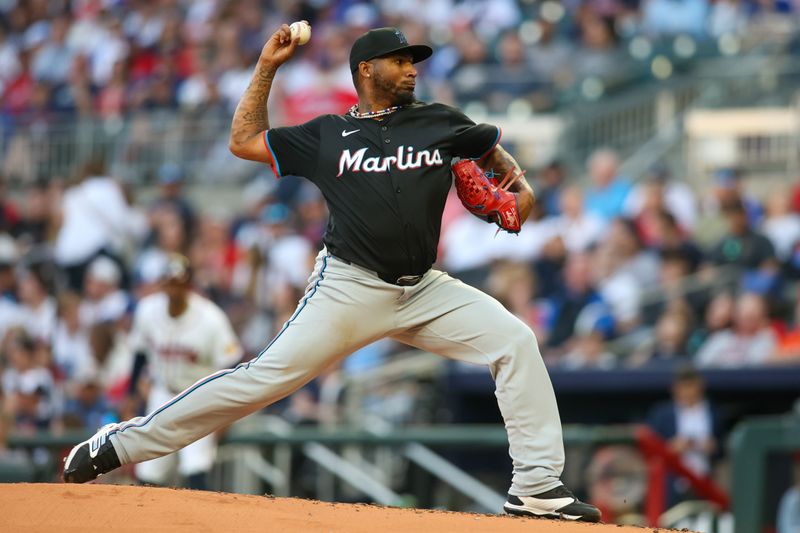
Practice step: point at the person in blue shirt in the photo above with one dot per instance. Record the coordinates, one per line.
(607, 191)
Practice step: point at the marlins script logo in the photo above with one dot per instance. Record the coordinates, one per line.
(405, 159)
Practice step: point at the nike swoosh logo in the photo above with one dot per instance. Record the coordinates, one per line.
(346, 133)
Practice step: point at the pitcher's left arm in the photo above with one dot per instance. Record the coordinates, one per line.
(500, 162)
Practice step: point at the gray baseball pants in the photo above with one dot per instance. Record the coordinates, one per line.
(346, 307)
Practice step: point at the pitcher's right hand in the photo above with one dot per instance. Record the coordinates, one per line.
(279, 48)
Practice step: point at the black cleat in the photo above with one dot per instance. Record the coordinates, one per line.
(91, 458)
(555, 503)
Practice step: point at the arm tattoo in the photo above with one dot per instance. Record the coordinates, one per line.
(501, 162)
(251, 117)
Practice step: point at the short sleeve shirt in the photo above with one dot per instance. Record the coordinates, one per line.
(385, 181)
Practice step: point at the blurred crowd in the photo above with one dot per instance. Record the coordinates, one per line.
(111, 58)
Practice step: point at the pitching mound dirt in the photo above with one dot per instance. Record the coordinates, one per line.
(71, 508)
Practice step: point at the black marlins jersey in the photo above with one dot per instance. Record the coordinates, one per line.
(385, 181)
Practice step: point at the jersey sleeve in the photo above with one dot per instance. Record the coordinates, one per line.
(294, 149)
(470, 140)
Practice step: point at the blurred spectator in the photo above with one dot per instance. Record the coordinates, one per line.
(750, 341)
(626, 246)
(468, 77)
(691, 425)
(781, 226)
(286, 254)
(103, 301)
(488, 16)
(72, 355)
(172, 197)
(13, 458)
(660, 192)
(550, 56)
(10, 65)
(313, 213)
(667, 348)
(28, 386)
(38, 308)
(588, 349)
(668, 238)
(95, 220)
(511, 78)
(549, 187)
(52, 61)
(729, 186)
(578, 292)
(742, 247)
(36, 225)
(598, 56)
(718, 317)
(317, 84)
(169, 237)
(618, 287)
(113, 359)
(234, 81)
(213, 257)
(607, 192)
(112, 99)
(576, 227)
(199, 92)
(87, 408)
(673, 289)
(9, 309)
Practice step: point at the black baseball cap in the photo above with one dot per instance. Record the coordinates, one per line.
(383, 41)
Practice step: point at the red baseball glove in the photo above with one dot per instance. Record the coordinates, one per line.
(487, 198)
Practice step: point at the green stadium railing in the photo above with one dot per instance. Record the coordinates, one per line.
(467, 435)
(750, 443)
(457, 436)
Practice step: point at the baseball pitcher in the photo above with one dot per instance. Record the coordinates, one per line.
(384, 168)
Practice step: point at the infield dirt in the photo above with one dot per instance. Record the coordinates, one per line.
(36, 508)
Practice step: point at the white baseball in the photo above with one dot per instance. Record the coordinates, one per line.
(301, 29)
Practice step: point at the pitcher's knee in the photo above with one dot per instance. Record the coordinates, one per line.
(516, 340)
(523, 340)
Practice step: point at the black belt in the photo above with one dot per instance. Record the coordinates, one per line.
(394, 279)
(403, 281)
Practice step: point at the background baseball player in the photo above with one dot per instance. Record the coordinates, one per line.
(183, 337)
(384, 169)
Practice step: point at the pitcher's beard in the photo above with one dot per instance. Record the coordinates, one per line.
(397, 96)
(404, 98)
